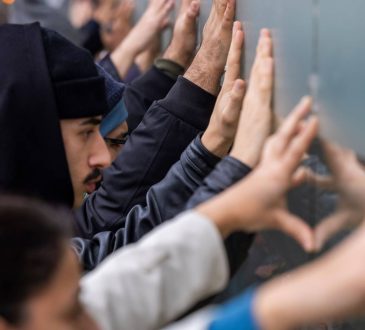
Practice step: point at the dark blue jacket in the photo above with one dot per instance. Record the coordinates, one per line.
(125, 208)
(151, 150)
(157, 143)
(190, 182)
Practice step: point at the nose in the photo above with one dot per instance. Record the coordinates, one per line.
(100, 156)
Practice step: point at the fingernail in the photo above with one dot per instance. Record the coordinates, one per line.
(306, 99)
(264, 32)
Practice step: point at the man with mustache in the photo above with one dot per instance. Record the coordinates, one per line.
(167, 129)
(58, 157)
(92, 180)
(51, 108)
(130, 291)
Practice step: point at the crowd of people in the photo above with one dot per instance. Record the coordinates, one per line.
(134, 180)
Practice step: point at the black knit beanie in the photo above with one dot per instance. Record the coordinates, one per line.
(79, 89)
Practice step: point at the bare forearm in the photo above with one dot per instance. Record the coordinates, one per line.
(292, 300)
(178, 54)
(173, 55)
(123, 58)
(216, 144)
(316, 292)
(204, 73)
(230, 214)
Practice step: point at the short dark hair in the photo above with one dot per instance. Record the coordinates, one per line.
(32, 237)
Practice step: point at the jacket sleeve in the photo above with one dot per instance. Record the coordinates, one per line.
(147, 285)
(228, 172)
(91, 39)
(237, 313)
(164, 201)
(107, 64)
(157, 144)
(140, 94)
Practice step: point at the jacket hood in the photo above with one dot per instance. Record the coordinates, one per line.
(33, 160)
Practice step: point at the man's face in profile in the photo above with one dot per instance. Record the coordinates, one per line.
(87, 154)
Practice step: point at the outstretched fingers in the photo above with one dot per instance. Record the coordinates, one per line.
(336, 156)
(289, 129)
(331, 226)
(230, 12)
(262, 74)
(300, 144)
(296, 228)
(233, 68)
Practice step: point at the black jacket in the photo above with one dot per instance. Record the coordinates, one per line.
(152, 149)
(32, 156)
(228, 172)
(106, 221)
(183, 187)
(164, 201)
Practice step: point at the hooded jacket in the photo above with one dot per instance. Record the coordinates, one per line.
(133, 200)
(42, 82)
(33, 159)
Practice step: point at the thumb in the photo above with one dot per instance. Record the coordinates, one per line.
(296, 228)
(330, 226)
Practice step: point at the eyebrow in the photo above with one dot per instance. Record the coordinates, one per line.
(123, 135)
(92, 121)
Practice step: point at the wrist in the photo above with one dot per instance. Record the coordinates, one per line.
(221, 219)
(175, 54)
(123, 58)
(245, 155)
(216, 62)
(169, 68)
(227, 211)
(203, 72)
(271, 310)
(215, 143)
(264, 311)
(283, 303)
(130, 47)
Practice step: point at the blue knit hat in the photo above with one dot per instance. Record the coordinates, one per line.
(117, 112)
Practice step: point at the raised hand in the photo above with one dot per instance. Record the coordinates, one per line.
(348, 180)
(153, 21)
(305, 296)
(217, 31)
(183, 43)
(258, 202)
(208, 65)
(219, 136)
(117, 28)
(256, 117)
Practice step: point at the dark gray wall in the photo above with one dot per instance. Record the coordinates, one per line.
(319, 50)
(341, 67)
